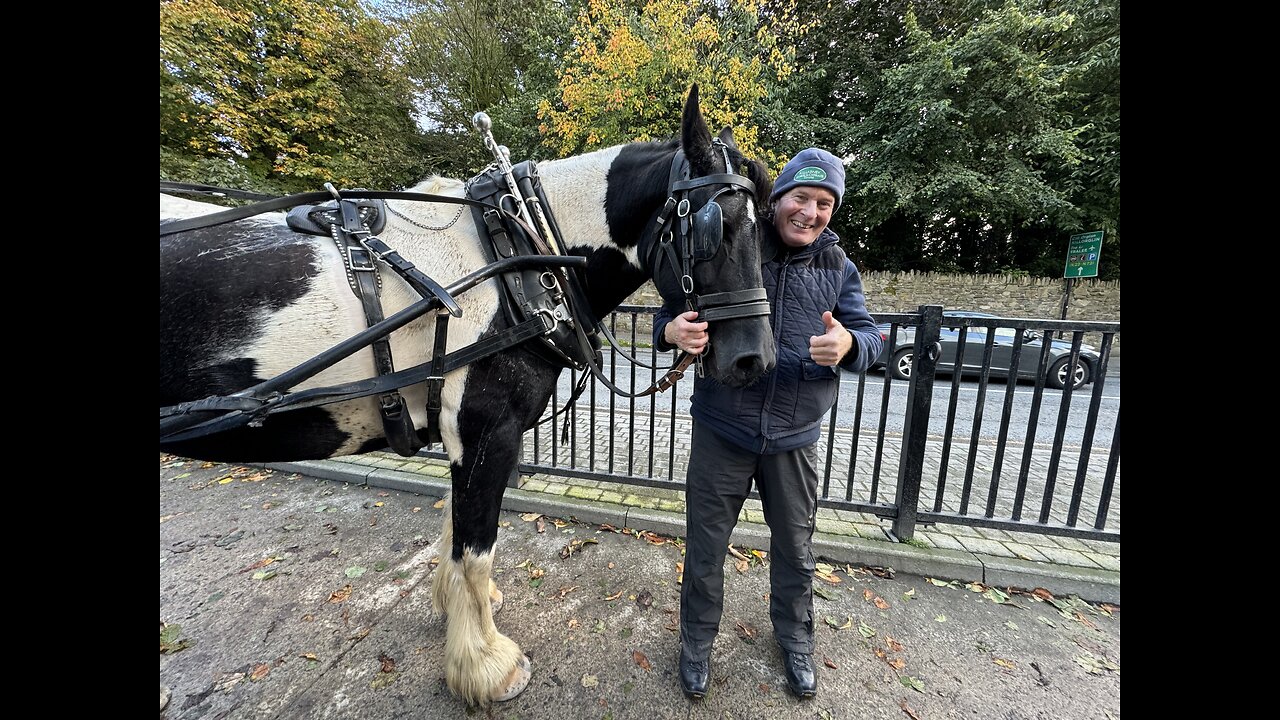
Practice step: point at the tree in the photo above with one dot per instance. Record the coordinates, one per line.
(291, 93)
(631, 64)
(467, 55)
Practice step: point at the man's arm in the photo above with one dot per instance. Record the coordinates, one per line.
(851, 312)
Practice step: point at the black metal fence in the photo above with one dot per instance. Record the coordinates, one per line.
(910, 446)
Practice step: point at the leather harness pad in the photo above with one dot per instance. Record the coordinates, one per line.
(316, 219)
(525, 294)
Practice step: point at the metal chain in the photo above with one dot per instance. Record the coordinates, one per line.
(410, 220)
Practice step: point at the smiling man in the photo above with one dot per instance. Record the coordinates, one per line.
(766, 432)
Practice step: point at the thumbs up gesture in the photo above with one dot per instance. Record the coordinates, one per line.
(828, 348)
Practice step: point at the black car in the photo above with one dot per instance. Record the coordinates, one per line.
(899, 360)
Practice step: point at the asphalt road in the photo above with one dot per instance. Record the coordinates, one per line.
(288, 597)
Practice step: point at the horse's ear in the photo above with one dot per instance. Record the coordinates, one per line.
(726, 137)
(695, 138)
(759, 174)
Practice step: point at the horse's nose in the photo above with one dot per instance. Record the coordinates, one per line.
(751, 366)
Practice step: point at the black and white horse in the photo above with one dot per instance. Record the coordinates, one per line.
(243, 302)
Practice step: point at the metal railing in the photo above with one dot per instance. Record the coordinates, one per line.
(908, 460)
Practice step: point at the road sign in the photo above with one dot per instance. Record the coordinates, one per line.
(1083, 252)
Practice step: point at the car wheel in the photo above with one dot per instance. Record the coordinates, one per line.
(1058, 373)
(900, 365)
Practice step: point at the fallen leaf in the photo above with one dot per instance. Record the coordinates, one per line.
(941, 618)
(354, 571)
(1011, 625)
(309, 656)
(558, 522)
(742, 566)
(829, 663)
(641, 660)
(567, 551)
(615, 596)
(939, 583)
(734, 552)
(379, 504)
(169, 642)
(417, 509)
(1006, 664)
(907, 709)
(338, 596)
(1042, 594)
(866, 630)
(747, 632)
(438, 504)
(833, 579)
(382, 680)
(590, 681)
(564, 591)
(530, 516)
(541, 525)
(388, 663)
(892, 644)
(679, 573)
(573, 623)
(912, 683)
(264, 574)
(823, 593)
(880, 603)
(896, 664)
(908, 595)
(259, 671)
(867, 594)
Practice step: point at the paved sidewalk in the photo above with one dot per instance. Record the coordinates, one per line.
(1063, 565)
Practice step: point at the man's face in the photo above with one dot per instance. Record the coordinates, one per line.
(802, 213)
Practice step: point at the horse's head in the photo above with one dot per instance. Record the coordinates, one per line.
(714, 232)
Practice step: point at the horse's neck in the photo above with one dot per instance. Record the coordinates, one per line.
(577, 190)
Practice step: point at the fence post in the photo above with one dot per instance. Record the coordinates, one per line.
(915, 430)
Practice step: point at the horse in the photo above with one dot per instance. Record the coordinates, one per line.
(245, 301)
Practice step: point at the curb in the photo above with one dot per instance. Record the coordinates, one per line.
(1092, 585)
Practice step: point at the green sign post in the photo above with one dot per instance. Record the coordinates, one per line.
(1083, 252)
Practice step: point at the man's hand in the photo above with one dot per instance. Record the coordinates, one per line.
(686, 334)
(830, 347)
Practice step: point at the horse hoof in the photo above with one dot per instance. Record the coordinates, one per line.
(495, 601)
(515, 682)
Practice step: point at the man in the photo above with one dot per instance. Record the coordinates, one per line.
(767, 431)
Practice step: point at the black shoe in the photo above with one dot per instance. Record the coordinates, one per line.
(802, 676)
(694, 675)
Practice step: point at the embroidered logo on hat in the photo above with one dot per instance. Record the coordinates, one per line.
(811, 174)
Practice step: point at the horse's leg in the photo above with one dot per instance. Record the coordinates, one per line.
(446, 544)
(502, 396)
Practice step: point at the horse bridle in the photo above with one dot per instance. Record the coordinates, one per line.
(694, 236)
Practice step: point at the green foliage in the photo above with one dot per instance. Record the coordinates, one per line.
(979, 135)
(292, 92)
(466, 56)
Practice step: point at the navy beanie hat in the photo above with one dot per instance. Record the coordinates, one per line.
(815, 167)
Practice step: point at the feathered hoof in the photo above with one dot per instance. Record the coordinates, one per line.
(515, 683)
(495, 599)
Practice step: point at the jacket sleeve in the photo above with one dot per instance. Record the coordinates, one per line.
(851, 312)
(664, 315)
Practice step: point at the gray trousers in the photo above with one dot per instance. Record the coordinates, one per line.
(718, 481)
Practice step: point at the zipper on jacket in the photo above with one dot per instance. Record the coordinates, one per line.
(778, 296)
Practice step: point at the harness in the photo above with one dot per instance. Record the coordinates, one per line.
(550, 292)
(542, 299)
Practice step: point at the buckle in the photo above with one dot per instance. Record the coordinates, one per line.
(360, 258)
